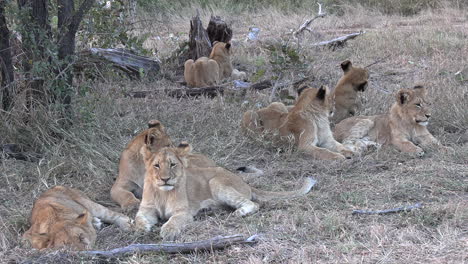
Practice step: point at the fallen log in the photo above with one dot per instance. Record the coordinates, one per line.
(338, 42)
(388, 211)
(131, 64)
(218, 242)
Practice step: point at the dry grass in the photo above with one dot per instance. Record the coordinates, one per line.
(429, 48)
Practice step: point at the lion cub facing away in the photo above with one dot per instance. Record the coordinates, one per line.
(307, 122)
(210, 71)
(354, 80)
(64, 217)
(175, 192)
(128, 186)
(404, 126)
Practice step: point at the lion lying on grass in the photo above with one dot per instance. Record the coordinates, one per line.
(211, 71)
(307, 122)
(64, 217)
(404, 126)
(175, 192)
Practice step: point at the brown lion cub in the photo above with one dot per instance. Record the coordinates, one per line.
(210, 71)
(307, 122)
(354, 80)
(404, 126)
(175, 192)
(64, 217)
(128, 186)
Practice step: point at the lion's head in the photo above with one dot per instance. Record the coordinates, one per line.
(78, 234)
(318, 100)
(354, 76)
(166, 168)
(221, 53)
(156, 137)
(412, 105)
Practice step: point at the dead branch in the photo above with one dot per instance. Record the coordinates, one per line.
(389, 211)
(121, 59)
(218, 242)
(218, 30)
(338, 42)
(199, 41)
(14, 151)
(306, 24)
(379, 60)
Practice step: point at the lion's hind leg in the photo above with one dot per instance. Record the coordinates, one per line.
(226, 194)
(357, 140)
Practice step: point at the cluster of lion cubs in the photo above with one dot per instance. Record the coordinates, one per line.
(174, 184)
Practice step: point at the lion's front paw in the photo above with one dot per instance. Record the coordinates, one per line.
(141, 224)
(419, 152)
(169, 232)
(337, 156)
(347, 153)
(125, 223)
(129, 205)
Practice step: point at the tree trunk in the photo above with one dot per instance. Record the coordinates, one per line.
(6, 65)
(199, 42)
(218, 30)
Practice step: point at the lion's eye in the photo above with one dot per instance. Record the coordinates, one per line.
(156, 166)
(418, 105)
(173, 165)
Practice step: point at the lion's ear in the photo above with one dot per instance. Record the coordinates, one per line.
(184, 148)
(403, 96)
(82, 219)
(149, 139)
(420, 89)
(214, 42)
(346, 65)
(322, 93)
(154, 123)
(227, 46)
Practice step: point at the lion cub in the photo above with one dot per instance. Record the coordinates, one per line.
(63, 216)
(354, 80)
(210, 71)
(404, 126)
(307, 122)
(175, 192)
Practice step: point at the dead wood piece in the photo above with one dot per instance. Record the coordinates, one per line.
(218, 30)
(340, 41)
(218, 242)
(14, 151)
(306, 24)
(121, 59)
(389, 211)
(199, 42)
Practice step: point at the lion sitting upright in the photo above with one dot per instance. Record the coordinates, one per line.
(175, 192)
(210, 71)
(64, 216)
(354, 80)
(128, 186)
(307, 122)
(404, 126)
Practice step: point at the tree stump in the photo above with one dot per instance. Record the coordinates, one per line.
(199, 42)
(218, 30)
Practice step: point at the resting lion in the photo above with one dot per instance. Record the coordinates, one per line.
(210, 71)
(175, 192)
(307, 122)
(354, 80)
(404, 126)
(128, 186)
(63, 217)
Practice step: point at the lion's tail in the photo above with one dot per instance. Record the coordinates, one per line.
(260, 195)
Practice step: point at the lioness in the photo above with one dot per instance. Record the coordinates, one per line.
(128, 186)
(175, 192)
(307, 122)
(63, 216)
(210, 71)
(404, 126)
(354, 80)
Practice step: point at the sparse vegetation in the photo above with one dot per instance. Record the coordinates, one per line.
(430, 46)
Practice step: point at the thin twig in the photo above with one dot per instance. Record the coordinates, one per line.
(389, 211)
(379, 60)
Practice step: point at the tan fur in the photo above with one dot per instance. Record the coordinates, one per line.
(211, 71)
(62, 217)
(128, 186)
(404, 126)
(307, 122)
(354, 80)
(175, 192)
